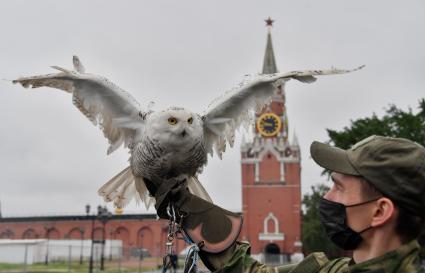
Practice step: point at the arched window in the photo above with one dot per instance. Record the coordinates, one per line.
(76, 233)
(98, 233)
(271, 229)
(6, 234)
(122, 233)
(53, 233)
(29, 234)
(145, 239)
(271, 224)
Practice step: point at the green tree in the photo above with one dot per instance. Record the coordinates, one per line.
(394, 123)
(314, 236)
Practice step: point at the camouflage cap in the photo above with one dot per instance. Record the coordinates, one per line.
(395, 166)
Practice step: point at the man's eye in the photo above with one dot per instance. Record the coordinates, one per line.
(335, 187)
(339, 188)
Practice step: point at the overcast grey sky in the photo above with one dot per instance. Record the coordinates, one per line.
(187, 53)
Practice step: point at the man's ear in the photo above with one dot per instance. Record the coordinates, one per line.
(384, 212)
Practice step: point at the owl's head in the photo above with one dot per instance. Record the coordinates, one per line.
(174, 126)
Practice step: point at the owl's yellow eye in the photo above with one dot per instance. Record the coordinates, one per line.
(190, 120)
(172, 121)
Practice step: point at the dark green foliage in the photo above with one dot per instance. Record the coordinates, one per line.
(394, 123)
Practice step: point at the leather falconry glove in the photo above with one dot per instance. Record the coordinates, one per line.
(201, 220)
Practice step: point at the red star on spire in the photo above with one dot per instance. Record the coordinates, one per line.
(269, 22)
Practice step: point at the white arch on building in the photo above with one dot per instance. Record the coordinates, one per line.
(266, 223)
(271, 236)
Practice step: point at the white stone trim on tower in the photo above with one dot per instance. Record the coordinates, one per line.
(271, 236)
(282, 172)
(257, 171)
(269, 147)
(256, 160)
(266, 223)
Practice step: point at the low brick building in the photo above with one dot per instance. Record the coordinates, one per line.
(135, 230)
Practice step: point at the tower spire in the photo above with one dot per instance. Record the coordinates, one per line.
(271, 169)
(269, 64)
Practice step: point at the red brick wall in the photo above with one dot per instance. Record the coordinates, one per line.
(281, 199)
(149, 234)
(269, 168)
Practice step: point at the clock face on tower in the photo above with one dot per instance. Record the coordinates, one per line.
(269, 124)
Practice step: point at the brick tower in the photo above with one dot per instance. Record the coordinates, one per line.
(271, 176)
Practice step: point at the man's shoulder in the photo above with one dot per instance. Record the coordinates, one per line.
(317, 262)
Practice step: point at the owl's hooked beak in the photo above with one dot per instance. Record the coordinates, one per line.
(183, 133)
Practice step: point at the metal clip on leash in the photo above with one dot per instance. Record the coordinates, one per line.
(174, 229)
(192, 257)
(191, 261)
(166, 261)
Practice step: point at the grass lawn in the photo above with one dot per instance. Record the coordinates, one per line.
(61, 267)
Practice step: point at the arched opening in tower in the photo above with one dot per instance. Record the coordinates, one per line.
(272, 254)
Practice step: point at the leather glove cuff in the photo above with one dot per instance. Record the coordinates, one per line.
(205, 222)
(201, 220)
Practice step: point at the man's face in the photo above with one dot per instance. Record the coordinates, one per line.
(348, 190)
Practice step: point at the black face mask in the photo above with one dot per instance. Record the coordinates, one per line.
(333, 216)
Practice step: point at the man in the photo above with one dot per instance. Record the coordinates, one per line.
(375, 208)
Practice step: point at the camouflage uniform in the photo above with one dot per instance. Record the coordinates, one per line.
(405, 259)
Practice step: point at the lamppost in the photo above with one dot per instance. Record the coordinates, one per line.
(104, 216)
(141, 251)
(48, 229)
(81, 229)
(91, 237)
(111, 236)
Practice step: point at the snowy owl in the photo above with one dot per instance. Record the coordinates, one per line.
(164, 144)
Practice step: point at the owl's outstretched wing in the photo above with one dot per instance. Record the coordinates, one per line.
(237, 107)
(115, 111)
